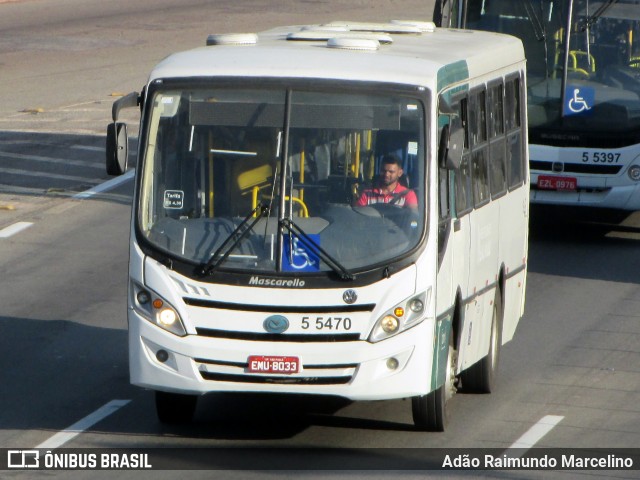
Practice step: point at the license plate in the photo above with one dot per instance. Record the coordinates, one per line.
(273, 364)
(549, 182)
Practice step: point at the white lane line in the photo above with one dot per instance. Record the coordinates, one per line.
(13, 229)
(90, 148)
(108, 185)
(533, 435)
(87, 422)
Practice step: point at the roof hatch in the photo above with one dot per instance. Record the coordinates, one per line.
(232, 39)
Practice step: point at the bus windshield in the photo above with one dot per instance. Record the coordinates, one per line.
(586, 90)
(282, 180)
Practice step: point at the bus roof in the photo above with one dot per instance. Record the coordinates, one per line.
(406, 53)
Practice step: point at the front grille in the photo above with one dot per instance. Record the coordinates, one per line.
(277, 337)
(225, 377)
(236, 372)
(198, 302)
(576, 168)
(246, 365)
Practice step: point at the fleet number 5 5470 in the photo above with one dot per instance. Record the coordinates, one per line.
(326, 323)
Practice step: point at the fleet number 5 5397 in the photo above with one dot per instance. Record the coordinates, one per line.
(600, 157)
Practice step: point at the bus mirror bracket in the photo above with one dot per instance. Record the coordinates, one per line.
(128, 101)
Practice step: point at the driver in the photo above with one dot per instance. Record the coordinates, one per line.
(389, 190)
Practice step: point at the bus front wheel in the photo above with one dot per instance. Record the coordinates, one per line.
(431, 411)
(174, 408)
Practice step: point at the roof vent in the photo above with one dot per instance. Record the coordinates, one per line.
(323, 35)
(328, 28)
(354, 43)
(375, 27)
(232, 39)
(423, 26)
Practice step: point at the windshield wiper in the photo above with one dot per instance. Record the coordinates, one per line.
(316, 249)
(241, 231)
(536, 24)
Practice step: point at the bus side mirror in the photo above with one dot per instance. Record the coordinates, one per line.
(117, 148)
(454, 150)
(450, 147)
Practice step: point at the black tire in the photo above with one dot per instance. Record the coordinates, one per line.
(431, 411)
(175, 408)
(481, 376)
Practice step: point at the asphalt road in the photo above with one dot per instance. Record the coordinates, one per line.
(574, 361)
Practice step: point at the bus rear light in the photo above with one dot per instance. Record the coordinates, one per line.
(634, 173)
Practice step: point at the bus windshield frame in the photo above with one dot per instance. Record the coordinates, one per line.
(266, 177)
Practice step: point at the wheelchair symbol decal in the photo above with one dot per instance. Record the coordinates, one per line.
(300, 258)
(578, 100)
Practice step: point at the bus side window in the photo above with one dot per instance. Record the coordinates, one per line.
(479, 147)
(497, 154)
(444, 203)
(515, 157)
(463, 192)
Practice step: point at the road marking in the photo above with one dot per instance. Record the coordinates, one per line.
(87, 422)
(13, 229)
(59, 161)
(108, 185)
(15, 171)
(88, 147)
(533, 435)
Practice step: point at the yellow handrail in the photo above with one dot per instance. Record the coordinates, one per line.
(254, 202)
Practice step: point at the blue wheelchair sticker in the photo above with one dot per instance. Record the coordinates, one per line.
(579, 99)
(298, 257)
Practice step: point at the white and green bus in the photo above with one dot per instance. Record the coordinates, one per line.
(255, 266)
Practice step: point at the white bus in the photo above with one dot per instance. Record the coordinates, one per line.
(257, 263)
(583, 62)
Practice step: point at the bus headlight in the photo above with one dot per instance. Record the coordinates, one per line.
(167, 317)
(634, 173)
(401, 317)
(157, 310)
(389, 324)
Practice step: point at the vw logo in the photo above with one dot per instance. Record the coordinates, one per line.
(275, 324)
(349, 296)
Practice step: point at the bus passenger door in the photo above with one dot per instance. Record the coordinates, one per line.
(461, 250)
(454, 198)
